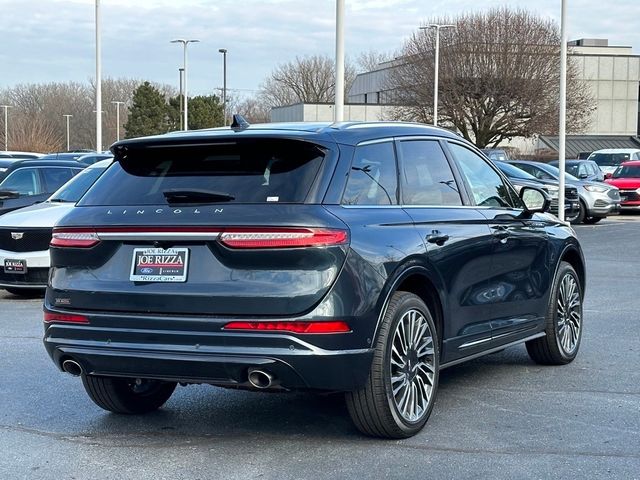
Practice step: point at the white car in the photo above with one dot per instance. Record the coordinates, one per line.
(609, 159)
(25, 234)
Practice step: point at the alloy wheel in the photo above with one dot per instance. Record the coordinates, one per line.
(412, 366)
(569, 311)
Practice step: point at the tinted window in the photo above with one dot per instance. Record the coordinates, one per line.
(487, 187)
(609, 159)
(373, 178)
(24, 181)
(628, 171)
(252, 171)
(573, 169)
(514, 172)
(54, 178)
(73, 190)
(427, 178)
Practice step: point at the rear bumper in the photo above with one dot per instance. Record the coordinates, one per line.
(214, 357)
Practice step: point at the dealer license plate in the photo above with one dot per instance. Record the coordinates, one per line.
(159, 265)
(15, 266)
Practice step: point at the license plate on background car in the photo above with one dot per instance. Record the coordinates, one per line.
(159, 265)
(15, 266)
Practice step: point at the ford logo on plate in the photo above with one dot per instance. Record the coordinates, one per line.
(146, 271)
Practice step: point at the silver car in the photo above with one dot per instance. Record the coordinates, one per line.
(597, 200)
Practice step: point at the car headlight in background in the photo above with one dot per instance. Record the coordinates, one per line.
(552, 190)
(595, 188)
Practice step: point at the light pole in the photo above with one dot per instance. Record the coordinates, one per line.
(223, 51)
(67, 116)
(563, 109)
(184, 43)
(98, 82)
(181, 72)
(339, 94)
(436, 67)
(6, 126)
(117, 104)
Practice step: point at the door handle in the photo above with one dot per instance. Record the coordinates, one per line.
(437, 237)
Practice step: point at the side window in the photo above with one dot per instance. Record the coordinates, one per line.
(427, 178)
(582, 170)
(373, 179)
(487, 187)
(54, 178)
(25, 181)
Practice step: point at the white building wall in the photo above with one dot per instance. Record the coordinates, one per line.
(312, 112)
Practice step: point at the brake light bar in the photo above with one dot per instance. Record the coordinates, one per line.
(282, 237)
(236, 237)
(293, 327)
(52, 317)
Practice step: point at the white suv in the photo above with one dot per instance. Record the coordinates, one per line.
(610, 158)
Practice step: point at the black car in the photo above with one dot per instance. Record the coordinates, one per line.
(519, 178)
(353, 257)
(25, 182)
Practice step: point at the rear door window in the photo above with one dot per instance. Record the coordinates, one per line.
(373, 179)
(249, 171)
(25, 181)
(426, 177)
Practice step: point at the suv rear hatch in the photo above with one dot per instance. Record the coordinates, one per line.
(228, 228)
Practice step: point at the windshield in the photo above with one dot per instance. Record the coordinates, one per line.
(556, 173)
(610, 159)
(74, 189)
(514, 172)
(247, 171)
(627, 171)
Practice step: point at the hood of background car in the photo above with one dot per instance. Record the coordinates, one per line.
(624, 182)
(44, 214)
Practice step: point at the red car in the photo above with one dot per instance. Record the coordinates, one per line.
(627, 179)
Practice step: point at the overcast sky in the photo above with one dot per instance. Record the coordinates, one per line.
(54, 40)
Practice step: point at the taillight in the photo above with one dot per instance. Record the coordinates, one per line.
(293, 327)
(52, 317)
(282, 237)
(74, 238)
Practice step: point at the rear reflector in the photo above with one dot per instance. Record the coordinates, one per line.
(51, 317)
(294, 327)
(282, 237)
(74, 238)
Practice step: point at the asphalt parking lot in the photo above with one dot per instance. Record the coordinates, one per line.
(500, 416)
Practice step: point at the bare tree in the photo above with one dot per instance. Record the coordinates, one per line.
(499, 77)
(372, 60)
(308, 79)
(253, 109)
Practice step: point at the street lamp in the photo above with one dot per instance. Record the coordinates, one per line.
(223, 51)
(184, 43)
(562, 134)
(438, 27)
(6, 127)
(339, 81)
(67, 116)
(98, 82)
(117, 104)
(181, 73)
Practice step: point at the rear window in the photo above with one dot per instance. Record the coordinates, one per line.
(610, 159)
(255, 171)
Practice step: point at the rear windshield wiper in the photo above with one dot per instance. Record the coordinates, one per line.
(196, 196)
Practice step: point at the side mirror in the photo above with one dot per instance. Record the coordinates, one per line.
(608, 175)
(583, 175)
(8, 194)
(534, 200)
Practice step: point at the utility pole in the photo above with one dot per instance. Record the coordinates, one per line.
(117, 104)
(339, 82)
(436, 67)
(67, 116)
(181, 72)
(223, 51)
(562, 133)
(98, 82)
(6, 126)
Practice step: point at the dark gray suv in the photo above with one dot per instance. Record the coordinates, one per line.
(354, 257)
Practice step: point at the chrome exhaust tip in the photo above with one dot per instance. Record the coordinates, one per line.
(72, 368)
(260, 379)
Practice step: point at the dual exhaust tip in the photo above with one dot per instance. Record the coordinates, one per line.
(257, 378)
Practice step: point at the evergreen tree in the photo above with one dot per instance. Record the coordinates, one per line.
(205, 112)
(148, 114)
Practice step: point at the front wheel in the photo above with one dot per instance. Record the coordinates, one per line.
(563, 322)
(592, 220)
(127, 395)
(579, 215)
(401, 389)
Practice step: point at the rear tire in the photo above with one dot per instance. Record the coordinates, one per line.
(127, 395)
(400, 392)
(592, 220)
(563, 326)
